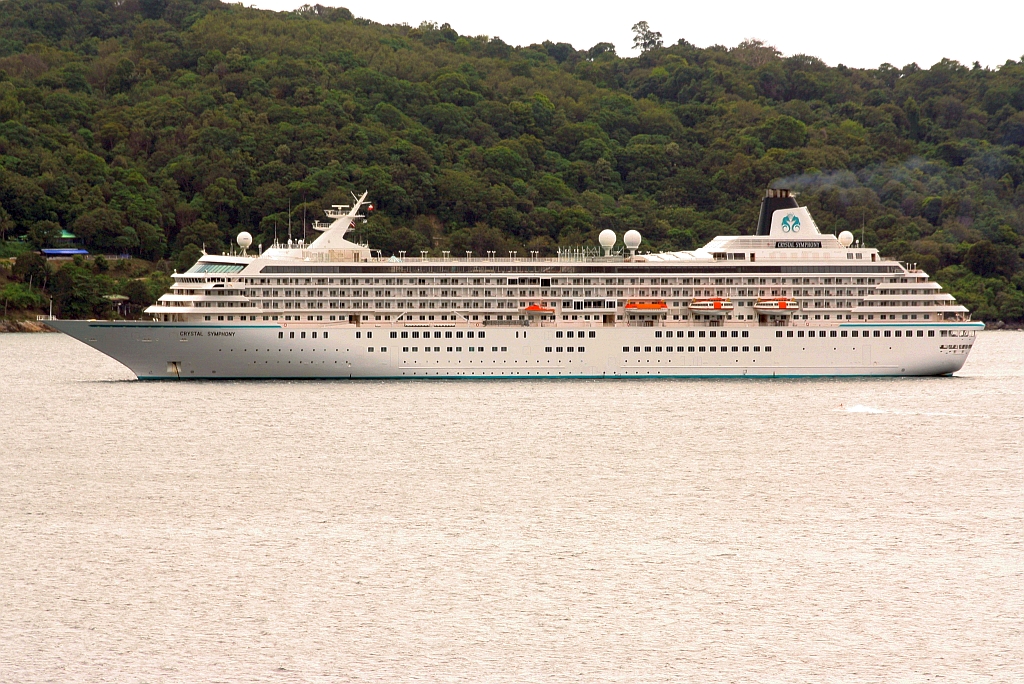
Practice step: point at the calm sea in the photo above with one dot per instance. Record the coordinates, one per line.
(506, 531)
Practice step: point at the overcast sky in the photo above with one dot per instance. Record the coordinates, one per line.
(864, 33)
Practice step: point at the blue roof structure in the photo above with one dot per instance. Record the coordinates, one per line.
(63, 252)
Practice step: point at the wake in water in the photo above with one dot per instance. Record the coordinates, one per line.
(859, 408)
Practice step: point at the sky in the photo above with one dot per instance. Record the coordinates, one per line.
(863, 33)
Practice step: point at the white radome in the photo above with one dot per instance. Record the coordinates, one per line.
(607, 238)
(244, 240)
(631, 239)
(846, 238)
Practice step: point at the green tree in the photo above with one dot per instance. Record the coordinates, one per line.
(44, 234)
(31, 267)
(644, 39)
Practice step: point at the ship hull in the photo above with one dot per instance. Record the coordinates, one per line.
(154, 350)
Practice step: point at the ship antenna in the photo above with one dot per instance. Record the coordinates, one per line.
(303, 217)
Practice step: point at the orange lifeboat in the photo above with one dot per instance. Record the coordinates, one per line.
(712, 304)
(772, 304)
(646, 305)
(536, 308)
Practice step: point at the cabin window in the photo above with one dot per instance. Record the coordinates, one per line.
(448, 334)
(647, 349)
(799, 333)
(504, 349)
(714, 349)
(569, 349)
(558, 349)
(415, 334)
(778, 333)
(746, 333)
(369, 349)
(625, 349)
(291, 335)
(888, 333)
(705, 349)
(636, 349)
(548, 349)
(393, 335)
(668, 349)
(405, 349)
(657, 334)
(325, 335)
(700, 333)
(767, 349)
(657, 349)
(470, 334)
(931, 333)
(558, 334)
(688, 349)
(757, 349)
(689, 333)
(668, 333)
(734, 348)
(369, 335)
(920, 333)
(314, 335)
(580, 349)
(358, 335)
(877, 334)
(383, 349)
(280, 335)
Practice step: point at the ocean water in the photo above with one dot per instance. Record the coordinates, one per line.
(864, 530)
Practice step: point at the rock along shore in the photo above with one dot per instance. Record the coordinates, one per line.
(24, 327)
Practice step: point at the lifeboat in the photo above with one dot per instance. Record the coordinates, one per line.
(646, 305)
(712, 304)
(771, 304)
(536, 308)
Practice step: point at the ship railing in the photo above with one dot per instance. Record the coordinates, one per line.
(498, 260)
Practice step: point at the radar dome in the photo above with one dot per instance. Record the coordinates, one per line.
(244, 240)
(846, 238)
(607, 238)
(631, 239)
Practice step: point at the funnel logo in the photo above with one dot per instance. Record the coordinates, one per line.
(790, 224)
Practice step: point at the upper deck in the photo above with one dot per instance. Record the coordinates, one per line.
(821, 277)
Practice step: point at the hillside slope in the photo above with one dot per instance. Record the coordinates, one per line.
(152, 127)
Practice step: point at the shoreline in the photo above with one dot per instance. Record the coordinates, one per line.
(7, 326)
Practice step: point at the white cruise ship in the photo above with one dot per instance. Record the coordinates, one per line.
(786, 301)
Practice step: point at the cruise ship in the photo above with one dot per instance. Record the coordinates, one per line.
(787, 301)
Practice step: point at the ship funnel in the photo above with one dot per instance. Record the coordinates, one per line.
(772, 202)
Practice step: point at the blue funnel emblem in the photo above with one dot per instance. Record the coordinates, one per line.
(790, 223)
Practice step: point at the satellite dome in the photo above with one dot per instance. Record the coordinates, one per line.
(607, 238)
(846, 238)
(631, 239)
(244, 240)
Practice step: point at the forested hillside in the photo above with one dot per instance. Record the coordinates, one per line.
(152, 127)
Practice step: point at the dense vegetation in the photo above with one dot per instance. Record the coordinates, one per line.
(152, 127)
